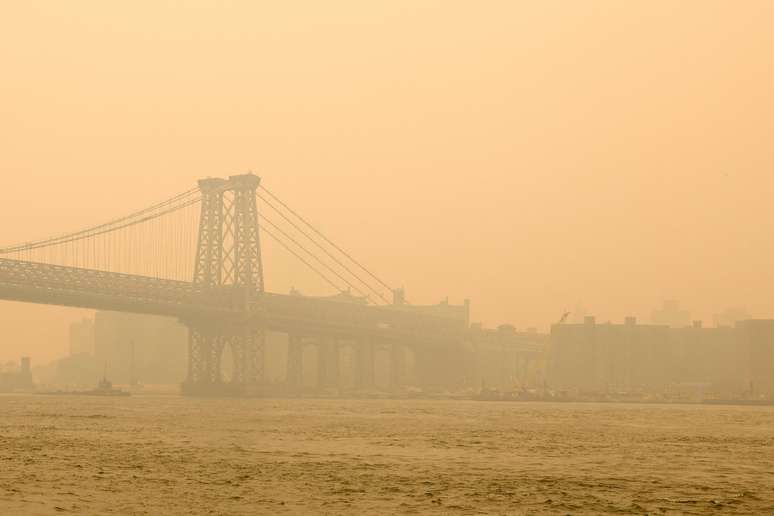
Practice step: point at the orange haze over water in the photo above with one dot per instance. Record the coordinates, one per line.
(528, 155)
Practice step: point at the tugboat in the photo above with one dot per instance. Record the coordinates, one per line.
(105, 388)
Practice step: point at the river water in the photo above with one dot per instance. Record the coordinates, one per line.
(173, 455)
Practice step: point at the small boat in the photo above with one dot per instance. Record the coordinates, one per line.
(104, 388)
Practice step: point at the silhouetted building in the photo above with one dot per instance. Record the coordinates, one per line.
(140, 348)
(505, 358)
(758, 338)
(658, 358)
(730, 316)
(599, 357)
(670, 314)
(14, 378)
(714, 357)
(78, 370)
(81, 337)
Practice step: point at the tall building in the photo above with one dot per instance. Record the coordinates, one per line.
(140, 348)
(82, 337)
(758, 338)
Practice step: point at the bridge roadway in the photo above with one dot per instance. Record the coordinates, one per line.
(99, 290)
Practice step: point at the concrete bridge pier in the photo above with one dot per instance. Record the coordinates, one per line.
(294, 377)
(425, 365)
(327, 363)
(397, 366)
(364, 364)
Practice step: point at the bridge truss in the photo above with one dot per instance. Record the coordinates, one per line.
(197, 257)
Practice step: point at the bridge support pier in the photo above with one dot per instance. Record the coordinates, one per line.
(295, 365)
(247, 347)
(423, 367)
(205, 352)
(397, 366)
(364, 364)
(327, 363)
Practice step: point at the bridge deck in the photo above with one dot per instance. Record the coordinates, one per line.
(100, 290)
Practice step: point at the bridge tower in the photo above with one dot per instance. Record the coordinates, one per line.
(228, 266)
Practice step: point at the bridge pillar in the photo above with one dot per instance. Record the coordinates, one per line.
(397, 366)
(247, 347)
(423, 367)
(364, 364)
(228, 265)
(295, 366)
(327, 363)
(208, 268)
(205, 352)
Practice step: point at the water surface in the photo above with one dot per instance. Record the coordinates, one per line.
(171, 455)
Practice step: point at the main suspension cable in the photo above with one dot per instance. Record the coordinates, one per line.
(317, 258)
(82, 235)
(294, 253)
(339, 249)
(315, 242)
(70, 237)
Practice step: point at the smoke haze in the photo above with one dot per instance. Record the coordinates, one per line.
(529, 156)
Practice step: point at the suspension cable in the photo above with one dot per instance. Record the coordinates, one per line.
(374, 276)
(305, 262)
(82, 235)
(317, 258)
(315, 242)
(69, 237)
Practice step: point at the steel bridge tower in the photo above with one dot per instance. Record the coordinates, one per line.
(228, 267)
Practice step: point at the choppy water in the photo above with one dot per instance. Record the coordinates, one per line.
(170, 455)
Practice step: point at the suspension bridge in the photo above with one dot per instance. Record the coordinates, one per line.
(197, 257)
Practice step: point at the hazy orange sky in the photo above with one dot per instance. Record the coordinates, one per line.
(528, 155)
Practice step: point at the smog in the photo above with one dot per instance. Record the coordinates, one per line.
(398, 258)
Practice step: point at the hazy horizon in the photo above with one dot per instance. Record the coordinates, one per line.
(530, 157)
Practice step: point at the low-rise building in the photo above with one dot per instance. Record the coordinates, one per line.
(16, 379)
(757, 335)
(506, 358)
(657, 358)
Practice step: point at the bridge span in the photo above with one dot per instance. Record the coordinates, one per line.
(137, 264)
